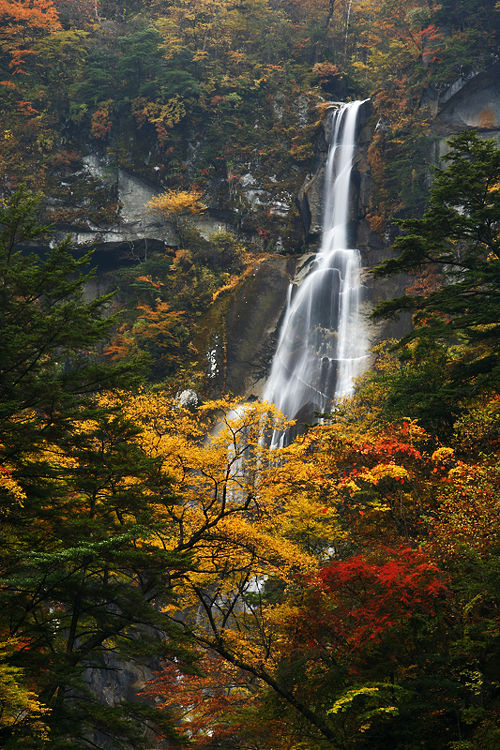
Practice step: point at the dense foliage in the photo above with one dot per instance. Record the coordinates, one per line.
(453, 254)
(168, 581)
(362, 612)
(81, 571)
(196, 92)
(221, 99)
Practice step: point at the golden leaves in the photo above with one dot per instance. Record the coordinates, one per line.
(442, 454)
(20, 706)
(169, 113)
(231, 513)
(176, 202)
(11, 486)
(384, 471)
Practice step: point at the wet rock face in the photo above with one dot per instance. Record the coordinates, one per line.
(117, 681)
(310, 200)
(241, 329)
(469, 103)
(472, 101)
(123, 220)
(252, 322)
(238, 336)
(310, 196)
(372, 247)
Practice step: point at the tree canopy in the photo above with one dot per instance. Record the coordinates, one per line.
(81, 573)
(452, 253)
(167, 581)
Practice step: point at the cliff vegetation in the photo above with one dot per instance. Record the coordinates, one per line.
(167, 580)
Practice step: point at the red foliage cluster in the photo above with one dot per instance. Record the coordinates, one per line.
(390, 448)
(356, 601)
(211, 707)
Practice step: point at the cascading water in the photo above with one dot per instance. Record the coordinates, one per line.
(322, 345)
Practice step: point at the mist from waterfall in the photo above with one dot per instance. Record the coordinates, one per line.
(322, 346)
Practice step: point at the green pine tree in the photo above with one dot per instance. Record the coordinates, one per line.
(452, 351)
(84, 572)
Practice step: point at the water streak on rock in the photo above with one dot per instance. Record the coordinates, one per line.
(322, 345)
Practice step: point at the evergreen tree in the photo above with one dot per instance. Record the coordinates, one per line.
(456, 300)
(85, 569)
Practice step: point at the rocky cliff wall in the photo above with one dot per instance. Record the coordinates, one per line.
(237, 336)
(472, 102)
(372, 247)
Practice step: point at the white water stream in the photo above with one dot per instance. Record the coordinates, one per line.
(322, 346)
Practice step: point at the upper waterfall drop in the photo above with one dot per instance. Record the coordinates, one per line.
(322, 346)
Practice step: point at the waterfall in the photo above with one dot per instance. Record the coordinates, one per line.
(322, 344)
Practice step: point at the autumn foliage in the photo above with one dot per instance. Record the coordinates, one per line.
(341, 592)
(357, 601)
(177, 202)
(22, 22)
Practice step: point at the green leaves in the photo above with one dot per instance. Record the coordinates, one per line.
(83, 575)
(455, 247)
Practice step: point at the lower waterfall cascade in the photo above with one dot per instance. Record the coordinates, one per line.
(323, 345)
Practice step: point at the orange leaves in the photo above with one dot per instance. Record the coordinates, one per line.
(428, 280)
(213, 706)
(326, 70)
(122, 345)
(468, 513)
(34, 14)
(443, 455)
(158, 332)
(149, 280)
(101, 122)
(26, 108)
(17, 59)
(431, 40)
(22, 21)
(158, 321)
(375, 486)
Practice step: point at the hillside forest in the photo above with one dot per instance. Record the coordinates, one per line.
(167, 580)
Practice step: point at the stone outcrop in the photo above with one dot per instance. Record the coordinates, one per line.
(472, 102)
(131, 222)
(238, 336)
(127, 233)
